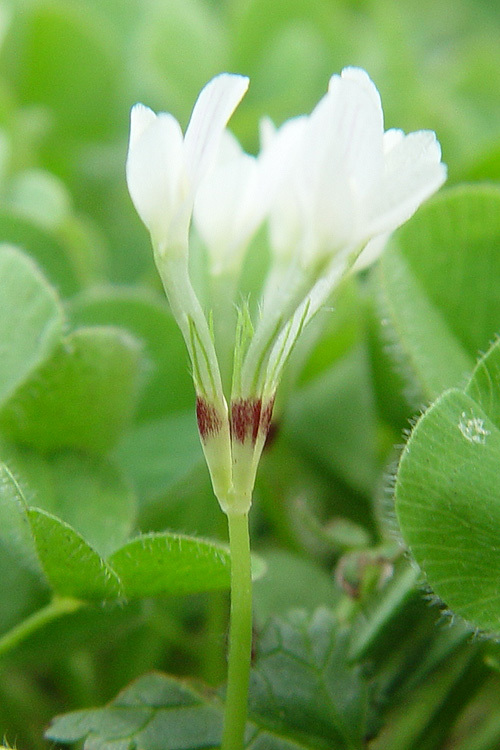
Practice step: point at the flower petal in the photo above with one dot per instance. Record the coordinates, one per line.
(155, 170)
(355, 126)
(213, 108)
(221, 211)
(413, 172)
(141, 117)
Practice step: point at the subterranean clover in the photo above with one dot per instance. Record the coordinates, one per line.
(331, 186)
(328, 182)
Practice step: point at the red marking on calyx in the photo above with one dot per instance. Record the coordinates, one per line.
(248, 418)
(266, 416)
(209, 421)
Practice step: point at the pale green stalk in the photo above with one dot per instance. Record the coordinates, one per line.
(240, 634)
(56, 608)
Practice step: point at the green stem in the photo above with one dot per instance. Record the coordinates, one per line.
(56, 608)
(240, 634)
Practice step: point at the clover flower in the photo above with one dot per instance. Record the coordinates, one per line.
(333, 185)
(165, 168)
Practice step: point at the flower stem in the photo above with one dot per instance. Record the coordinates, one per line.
(240, 634)
(56, 608)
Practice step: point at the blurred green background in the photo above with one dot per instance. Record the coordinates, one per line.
(69, 72)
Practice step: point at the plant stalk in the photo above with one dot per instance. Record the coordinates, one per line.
(56, 608)
(240, 634)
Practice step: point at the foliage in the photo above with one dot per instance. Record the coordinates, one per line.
(106, 510)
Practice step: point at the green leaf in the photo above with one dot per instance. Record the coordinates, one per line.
(332, 419)
(294, 681)
(303, 681)
(40, 197)
(484, 385)
(31, 320)
(82, 398)
(154, 564)
(291, 582)
(169, 386)
(15, 529)
(90, 493)
(448, 505)
(72, 566)
(44, 247)
(387, 607)
(161, 452)
(439, 282)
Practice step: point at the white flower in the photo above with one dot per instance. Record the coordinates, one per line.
(235, 197)
(350, 181)
(165, 169)
(349, 184)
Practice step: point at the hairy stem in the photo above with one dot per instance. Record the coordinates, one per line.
(240, 634)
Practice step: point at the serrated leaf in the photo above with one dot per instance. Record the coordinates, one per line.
(157, 711)
(31, 320)
(72, 566)
(82, 398)
(303, 682)
(154, 564)
(448, 505)
(439, 284)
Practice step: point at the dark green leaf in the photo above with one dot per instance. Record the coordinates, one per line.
(291, 582)
(304, 697)
(303, 682)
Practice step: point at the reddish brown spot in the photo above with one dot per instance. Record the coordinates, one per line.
(209, 421)
(266, 416)
(245, 419)
(248, 418)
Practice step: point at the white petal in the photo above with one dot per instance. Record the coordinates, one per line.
(221, 211)
(351, 118)
(155, 173)
(362, 79)
(229, 148)
(141, 117)
(284, 155)
(391, 139)
(213, 108)
(267, 131)
(413, 172)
